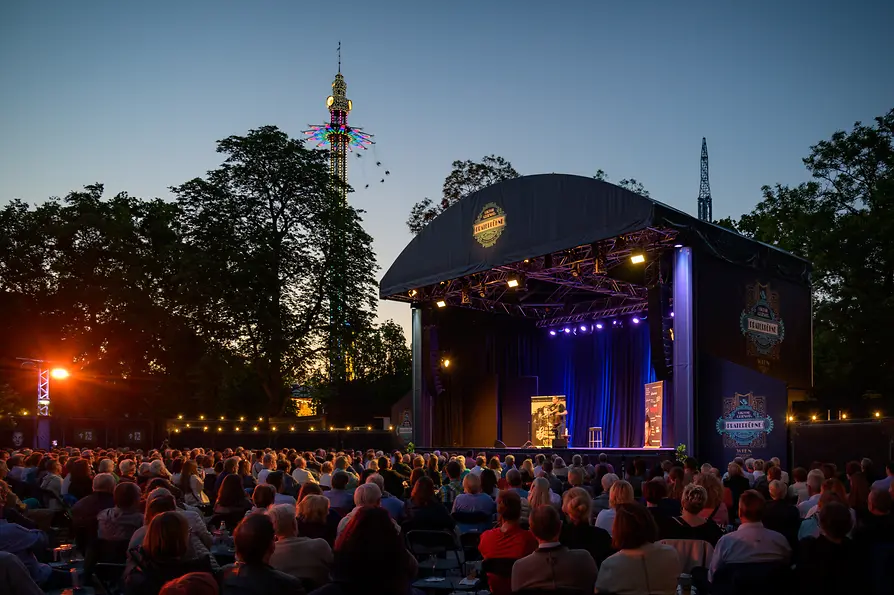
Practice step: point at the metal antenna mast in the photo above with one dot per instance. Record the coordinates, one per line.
(704, 188)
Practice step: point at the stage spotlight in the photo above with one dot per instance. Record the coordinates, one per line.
(599, 325)
(568, 330)
(672, 314)
(583, 327)
(614, 323)
(441, 304)
(637, 258)
(552, 333)
(678, 245)
(512, 283)
(464, 298)
(635, 320)
(412, 293)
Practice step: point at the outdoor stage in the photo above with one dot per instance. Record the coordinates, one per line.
(564, 286)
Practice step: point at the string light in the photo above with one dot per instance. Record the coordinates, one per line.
(331, 428)
(205, 428)
(241, 418)
(844, 416)
(390, 428)
(878, 414)
(791, 418)
(291, 428)
(219, 429)
(237, 428)
(180, 416)
(222, 417)
(368, 428)
(273, 428)
(311, 428)
(813, 417)
(202, 417)
(177, 430)
(255, 428)
(260, 419)
(187, 425)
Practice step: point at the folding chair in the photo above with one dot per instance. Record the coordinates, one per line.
(433, 545)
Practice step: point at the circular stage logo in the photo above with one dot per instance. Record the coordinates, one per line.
(489, 225)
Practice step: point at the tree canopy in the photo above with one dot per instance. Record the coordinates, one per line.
(215, 301)
(842, 221)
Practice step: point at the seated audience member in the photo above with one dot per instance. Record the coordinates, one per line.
(80, 480)
(163, 556)
(737, 483)
(127, 471)
(621, 492)
(14, 577)
(367, 495)
(199, 537)
(877, 526)
(304, 558)
(243, 470)
(472, 500)
(577, 532)
(230, 467)
(654, 491)
(676, 481)
(798, 489)
(752, 542)
(638, 477)
(262, 498)
(885, 483)
(122, 521)
(514, 479)
(453, 487)
(641, 566)
(268, 462)
(601, 503)
(489, 483)
(392, 481)
(276, 479)
(84, 512)
(192, 485)
(193, 583)
(52, 482)
(300, 473)
(810, 527)
(508, 541)
(814, 488)
(339, 497)
(366, 543)
(326, 474)
(690, 525)
(23, 542)
(155, 505)
(255, 540)
(553, 566)
(316, 520)
(830, 563)
(390, 502)
(780, 515)
(231, 498)
(576, 480)
(424, 511)
(715, 509)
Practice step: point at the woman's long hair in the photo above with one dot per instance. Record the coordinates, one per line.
(167, 537)
(539, 494)
(423, 492)
(231, 493)
(189, 469)
(370, 540)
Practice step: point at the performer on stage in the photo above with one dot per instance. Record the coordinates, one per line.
(558, 413)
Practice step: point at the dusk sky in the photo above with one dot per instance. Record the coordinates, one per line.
(135, 94)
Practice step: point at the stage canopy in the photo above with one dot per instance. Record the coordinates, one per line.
(559, 248)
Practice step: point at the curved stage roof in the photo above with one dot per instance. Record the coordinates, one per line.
(562, 230)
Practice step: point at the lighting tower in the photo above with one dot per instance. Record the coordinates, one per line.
(341, 139)
(704, 188)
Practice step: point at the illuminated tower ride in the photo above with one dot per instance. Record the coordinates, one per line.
(341, 139)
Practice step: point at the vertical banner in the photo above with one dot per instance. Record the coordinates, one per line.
(548, 414)
(654, 392)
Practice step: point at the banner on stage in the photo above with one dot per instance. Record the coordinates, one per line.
(547, 418)
(654, 404)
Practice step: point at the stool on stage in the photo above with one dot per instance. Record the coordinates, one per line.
(594, 437)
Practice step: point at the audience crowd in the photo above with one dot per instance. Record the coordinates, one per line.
(267, 522)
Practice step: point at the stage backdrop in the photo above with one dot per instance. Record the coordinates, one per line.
(602, 375)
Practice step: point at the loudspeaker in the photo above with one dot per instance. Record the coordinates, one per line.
(499, 444)
(660, 325)
(560, 443)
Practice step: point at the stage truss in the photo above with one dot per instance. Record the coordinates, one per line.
(564, 287)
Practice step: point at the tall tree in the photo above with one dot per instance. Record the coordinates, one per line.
(259, 231)
(842, 221)
(467, 177)
(631, 184)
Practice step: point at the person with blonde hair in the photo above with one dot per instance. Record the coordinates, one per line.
(690, 525)
(541, 495)
(715, 509)
(577, 532)
(621, 492)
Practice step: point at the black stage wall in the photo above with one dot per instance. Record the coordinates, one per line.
(498, 362)
(754, 345)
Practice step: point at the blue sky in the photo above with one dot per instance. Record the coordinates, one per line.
(134, 95)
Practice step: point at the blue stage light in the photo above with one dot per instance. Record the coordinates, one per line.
(635, 320)
(583, 327)
(672, 314)
(615, 322)
(567, 330)
(599, 325)
(552, 333)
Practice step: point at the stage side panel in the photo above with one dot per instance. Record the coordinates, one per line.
(515, 414)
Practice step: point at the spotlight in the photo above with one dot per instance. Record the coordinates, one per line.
(512, 283)
(575, 270)
(678, 245)
(441, 304)
(599, 326)
(672, 314)
(566, 330)
(552, 333)
(583, 327)
(791, 418)
(412, 293)
(464, 298)
(614, 323)
(635, 320)
(638, 258)
(59, 373)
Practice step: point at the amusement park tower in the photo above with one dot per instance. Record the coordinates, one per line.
(341, 139)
